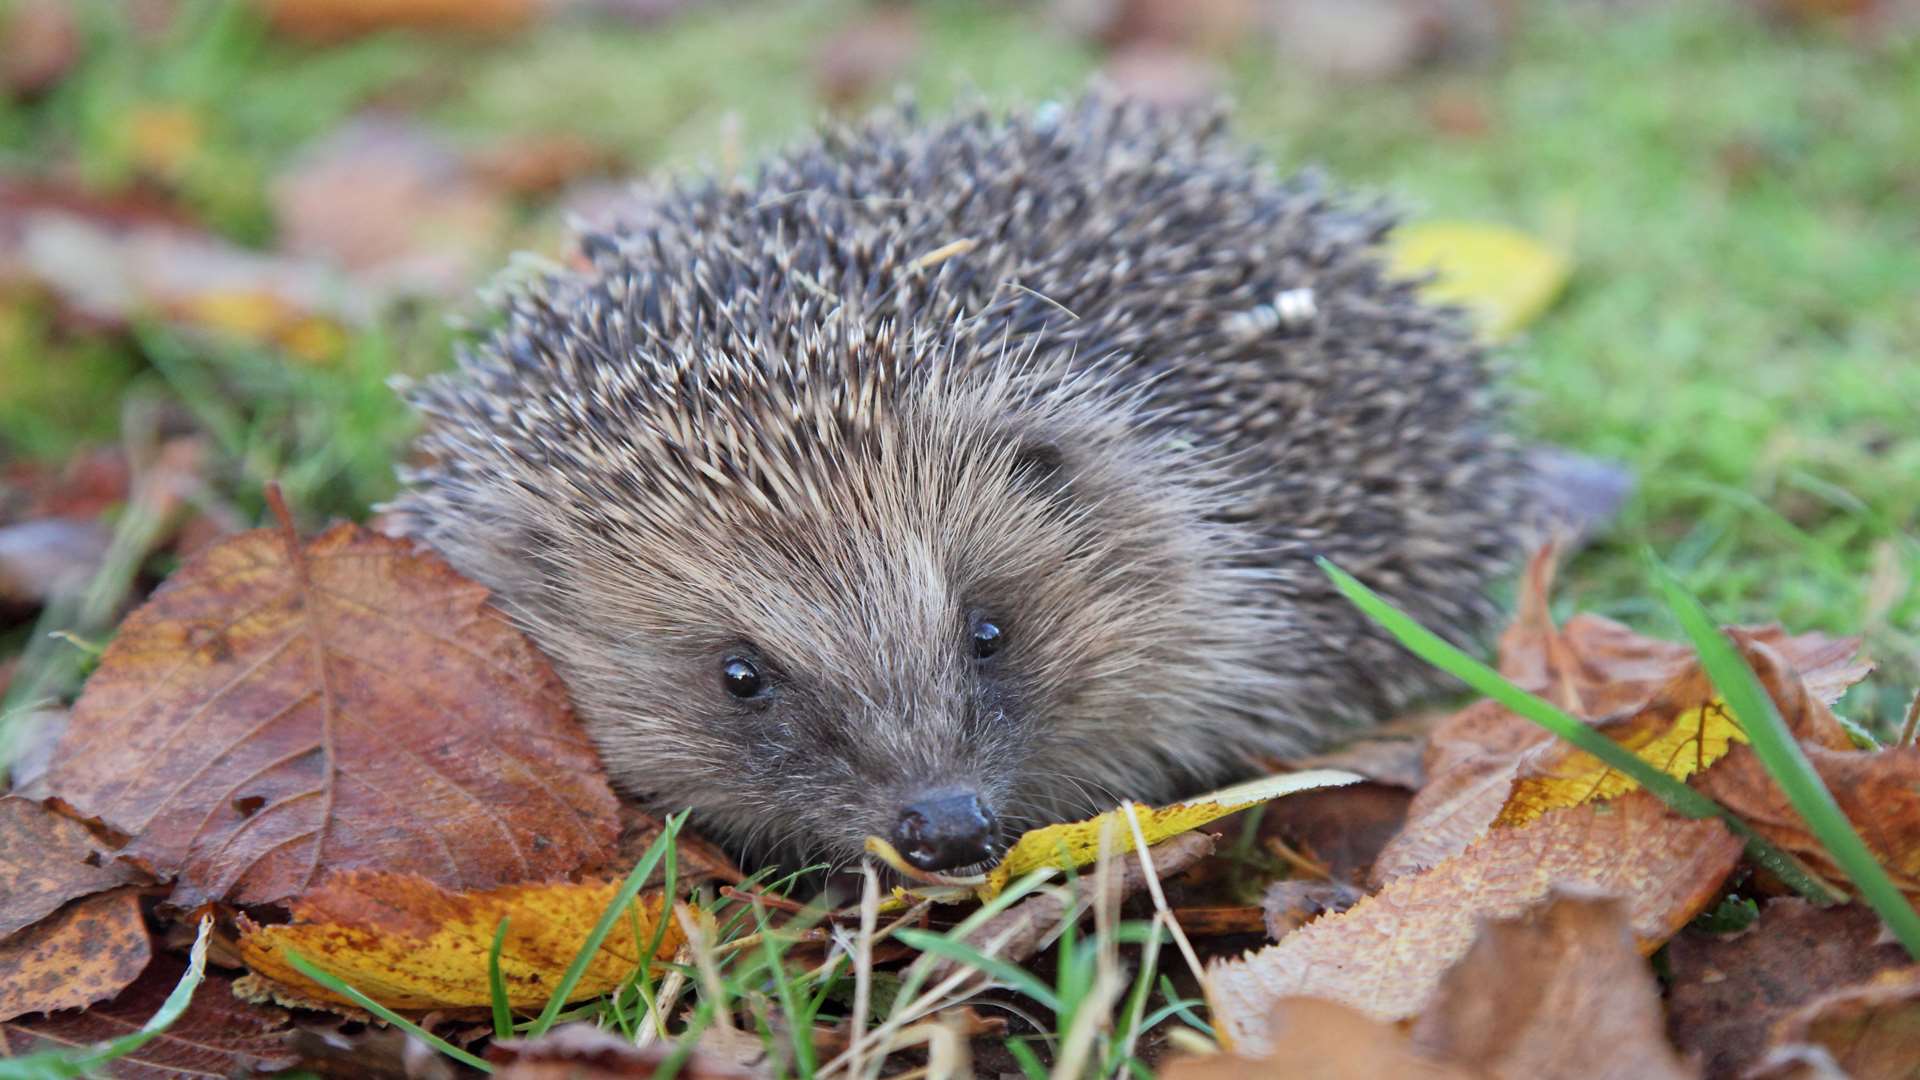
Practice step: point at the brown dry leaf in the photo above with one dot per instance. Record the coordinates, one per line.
(47, 859)
(697, 860)
(1879, 791)
(1447, 815)
(88, 951)
(409, 944)
(1343, 829)
(280, 709)
(394, 203)
(1218, 26)
(1386, 954)
(1162, 75)
(1288, 905)
(218, 1035)
(83, 487)
(872, 51)
(1871, 1031)
(41, 40)
(1324, 1040)
(1728, 992)
(586, 1052)
(539, 164)
(1489, 766)
(324, 21)
(1505, 1009)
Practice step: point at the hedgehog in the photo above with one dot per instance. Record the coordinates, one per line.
(946, 477)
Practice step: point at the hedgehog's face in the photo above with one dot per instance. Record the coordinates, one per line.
(953, 626)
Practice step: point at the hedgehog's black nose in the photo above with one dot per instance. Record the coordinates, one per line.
(944, 829)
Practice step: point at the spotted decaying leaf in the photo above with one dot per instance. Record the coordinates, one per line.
(409, 944)
(1075, 844)
(1386, 954)
(278, 709)
(87, 951)
(218, 1035)
(47, 859)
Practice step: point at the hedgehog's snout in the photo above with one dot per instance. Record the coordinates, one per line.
(945, 829)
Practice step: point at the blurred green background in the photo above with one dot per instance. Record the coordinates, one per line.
(224, 226)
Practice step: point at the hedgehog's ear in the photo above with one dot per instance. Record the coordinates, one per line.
(1040, 469)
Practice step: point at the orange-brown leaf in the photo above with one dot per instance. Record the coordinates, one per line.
(280, 709)
(410, 944)
(1386, 954)
(87, 951)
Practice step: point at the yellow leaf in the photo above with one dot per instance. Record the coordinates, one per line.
(1693, 739)
(1076, 844)
(258, 316)
(163, 138)
(410, 944)
(1502, 275)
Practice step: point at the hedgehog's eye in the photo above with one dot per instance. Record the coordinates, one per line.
(741, 677)
(987, 638)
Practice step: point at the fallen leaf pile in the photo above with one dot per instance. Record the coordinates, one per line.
(344, 751)
(1501, 927)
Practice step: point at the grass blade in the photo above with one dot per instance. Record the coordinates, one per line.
(629, 889)
(497, 986)
(1430, 647)
(340, 986)
(1024, 1056)
(1011, 975)
(1773, 743)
